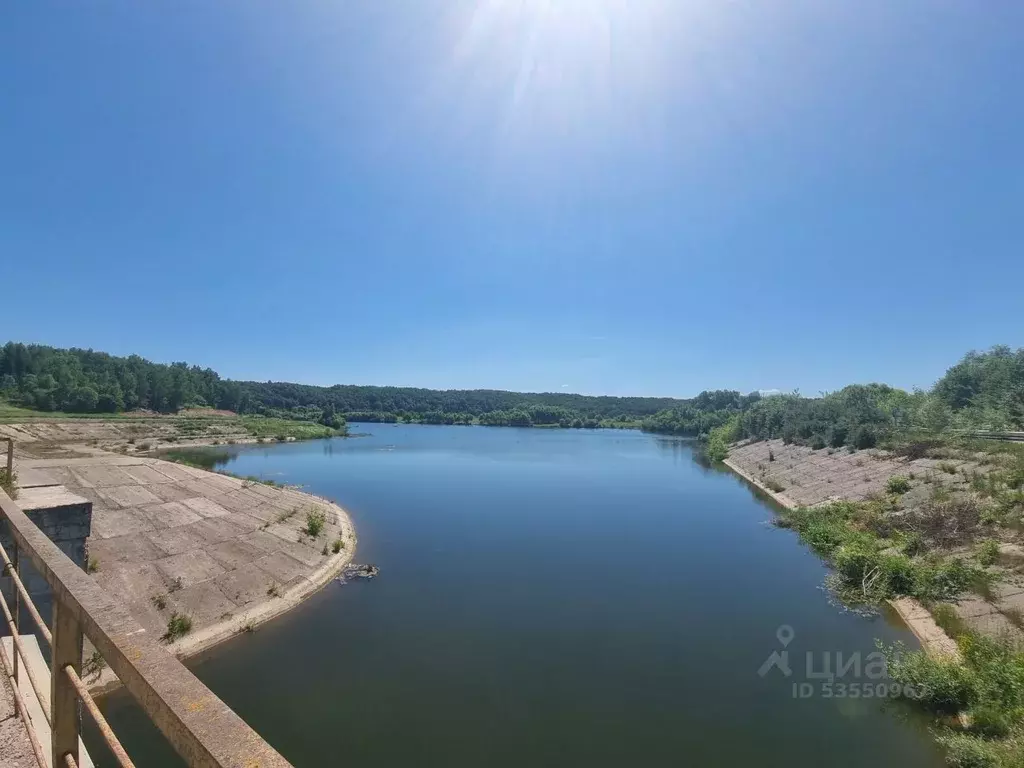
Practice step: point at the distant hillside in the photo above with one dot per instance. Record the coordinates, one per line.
(84, 381)
(985, 390)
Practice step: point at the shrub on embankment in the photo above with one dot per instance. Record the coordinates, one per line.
(986, 685)
(718, 442)
(9, 482)
(936, 549)
(878, 555)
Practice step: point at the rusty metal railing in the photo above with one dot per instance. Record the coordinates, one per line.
(1015, 437)
(200, 727)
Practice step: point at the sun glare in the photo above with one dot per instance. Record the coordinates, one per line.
(570, 78)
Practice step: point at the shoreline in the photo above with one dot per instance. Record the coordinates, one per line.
(172, 539)
(912, 613)
(209, 637)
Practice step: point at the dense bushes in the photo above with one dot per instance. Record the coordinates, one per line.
(717, 448)
(876, 556)
(984, 390)
(987, 686)
(856, 415)
(700, 415)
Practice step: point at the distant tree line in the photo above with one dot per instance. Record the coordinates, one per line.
(701, 414)
(84, 381)
(985, 390)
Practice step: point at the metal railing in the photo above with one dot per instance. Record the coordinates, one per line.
(200, 727)
(1015, 437)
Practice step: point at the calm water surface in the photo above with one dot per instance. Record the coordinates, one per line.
(546, 598)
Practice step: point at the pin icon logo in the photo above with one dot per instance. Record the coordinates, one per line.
(780, 659)
(785, 634)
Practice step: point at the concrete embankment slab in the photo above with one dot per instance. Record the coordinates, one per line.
(169, 538)
(749, 461)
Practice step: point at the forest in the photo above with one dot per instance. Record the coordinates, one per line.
(984, 390)
(84, 381)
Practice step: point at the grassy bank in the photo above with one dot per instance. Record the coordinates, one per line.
(936, 537)
(978, 702)
(879, 553)
(284, 429)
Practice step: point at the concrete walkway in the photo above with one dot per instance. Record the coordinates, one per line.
(169, 538)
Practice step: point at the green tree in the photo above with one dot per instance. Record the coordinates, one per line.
(84, 400)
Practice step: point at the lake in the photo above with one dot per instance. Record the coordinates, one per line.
(549, 598)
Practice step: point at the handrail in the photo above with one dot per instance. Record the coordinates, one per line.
(101, 722)
(200, 727)
(19, 705)
(12, 570)
(1015, 437)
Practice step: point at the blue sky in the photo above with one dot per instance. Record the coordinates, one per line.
(651, 197)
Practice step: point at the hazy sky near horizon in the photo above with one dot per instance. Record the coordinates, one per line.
(646, 197)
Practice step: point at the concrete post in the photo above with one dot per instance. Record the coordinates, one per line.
(67, 649)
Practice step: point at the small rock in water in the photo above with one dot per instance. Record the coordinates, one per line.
(358, 572)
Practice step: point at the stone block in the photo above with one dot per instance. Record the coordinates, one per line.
(175, 541)
(112, 523)
(191, 567)
(246, 584)
(282, 567)
(205, 507)
(126, 495)
(168, 515)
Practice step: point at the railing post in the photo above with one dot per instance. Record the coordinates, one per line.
(10, 457)
(15, 604)
(67, 649)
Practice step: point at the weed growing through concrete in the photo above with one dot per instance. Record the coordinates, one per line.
(94, 665)
(287, 514)
(315, 519)
(9, 482)
(897, 484)
(178, 625)
(988, 552)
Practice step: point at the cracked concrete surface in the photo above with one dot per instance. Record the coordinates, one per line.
(170, 538)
